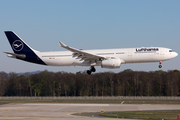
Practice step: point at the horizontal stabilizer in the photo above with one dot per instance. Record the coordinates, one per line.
(13, 55)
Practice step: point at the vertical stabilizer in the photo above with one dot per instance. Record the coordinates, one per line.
(21, 48)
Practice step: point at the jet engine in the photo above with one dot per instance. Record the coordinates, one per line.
(111, 63)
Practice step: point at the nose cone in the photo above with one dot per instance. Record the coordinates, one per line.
(175, 54)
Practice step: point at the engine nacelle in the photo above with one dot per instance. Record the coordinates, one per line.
(111, 63)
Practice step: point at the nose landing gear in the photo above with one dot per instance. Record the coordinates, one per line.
(92, 69)
(160, 66)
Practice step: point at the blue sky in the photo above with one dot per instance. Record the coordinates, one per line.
(93, 24)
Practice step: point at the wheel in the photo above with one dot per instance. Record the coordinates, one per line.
(160, 66)
(93, 69)
(88, 72)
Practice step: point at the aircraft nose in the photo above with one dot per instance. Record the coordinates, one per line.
(175, 54)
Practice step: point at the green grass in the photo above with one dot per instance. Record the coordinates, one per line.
(154, 115)
(88, 101)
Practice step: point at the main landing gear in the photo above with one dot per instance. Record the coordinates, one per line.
(160, 66)
(92, 69)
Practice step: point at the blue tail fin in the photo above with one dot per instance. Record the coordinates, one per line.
(17, 44)
(21, 48)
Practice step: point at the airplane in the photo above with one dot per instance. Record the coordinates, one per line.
(106, 58)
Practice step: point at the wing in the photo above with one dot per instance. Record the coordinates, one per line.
(82, 55)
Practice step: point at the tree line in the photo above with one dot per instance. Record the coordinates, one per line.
(125, 83)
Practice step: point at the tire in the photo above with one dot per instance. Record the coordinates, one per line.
(93, 69)
(88, 72)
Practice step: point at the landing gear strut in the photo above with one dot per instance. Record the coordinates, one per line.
(92, 69)
(160, 66)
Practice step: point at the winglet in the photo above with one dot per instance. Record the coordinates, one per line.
(62, 44)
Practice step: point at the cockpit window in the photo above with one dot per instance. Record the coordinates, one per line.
(170, 50)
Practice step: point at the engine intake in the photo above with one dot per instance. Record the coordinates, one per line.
(111, 63)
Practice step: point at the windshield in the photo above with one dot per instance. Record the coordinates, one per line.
(171, 50)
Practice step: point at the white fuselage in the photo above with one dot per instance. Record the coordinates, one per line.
(126, 55)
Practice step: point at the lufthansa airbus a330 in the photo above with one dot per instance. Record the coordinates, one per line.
(106, 58)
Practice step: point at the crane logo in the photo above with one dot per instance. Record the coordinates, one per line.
(17, 45)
